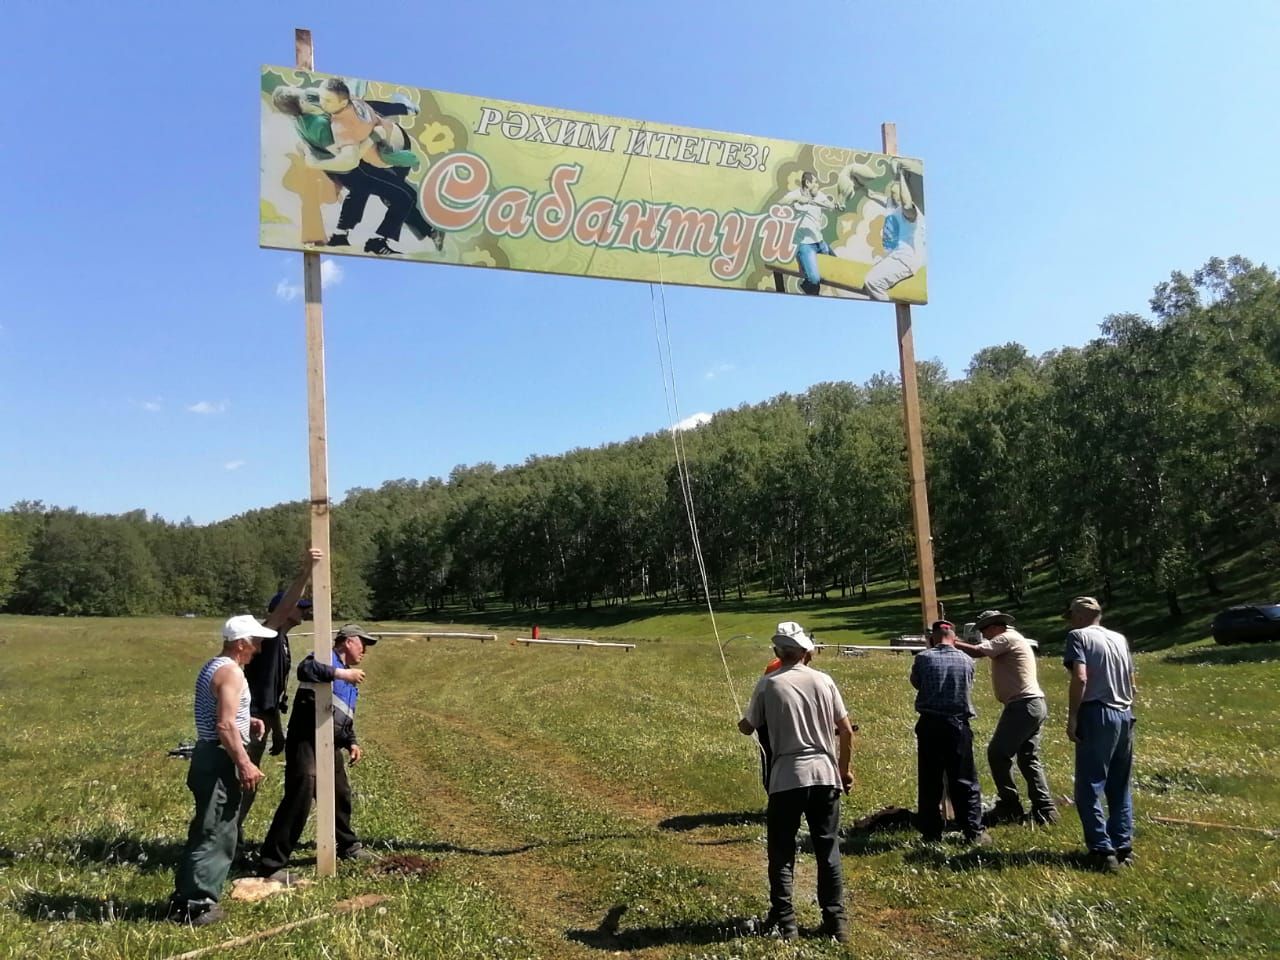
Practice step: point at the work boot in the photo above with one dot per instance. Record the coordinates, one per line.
(782, 927)
(1003, 813)
(357, 852)
(195, 914)
(835, 927)
(982, 839)
(281, 876)
(1045, 818)
(1104, 861)
(1124, 856)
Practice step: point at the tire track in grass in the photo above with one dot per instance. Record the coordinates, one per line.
(574, 882)
(732, 855)
(535, 892)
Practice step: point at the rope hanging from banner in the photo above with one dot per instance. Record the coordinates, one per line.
(666, 363)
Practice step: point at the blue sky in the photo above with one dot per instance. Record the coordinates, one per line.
(150, 356)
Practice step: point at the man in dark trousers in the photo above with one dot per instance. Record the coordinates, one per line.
(268, 677)
(806, 719)
(1017, 734)
(943, 678)
(343, 673)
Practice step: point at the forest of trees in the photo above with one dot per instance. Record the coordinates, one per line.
(1139, 460)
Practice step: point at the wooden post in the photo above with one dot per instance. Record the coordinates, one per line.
(321, 583)
(915, 437)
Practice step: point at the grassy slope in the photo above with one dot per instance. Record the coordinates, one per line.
(600, 800)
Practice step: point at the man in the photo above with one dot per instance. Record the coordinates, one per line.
(943, 678)
(810, 203)
(220, 771)
(1100, 724)
(343, 673)
(805, 715)
(367, 171)
(1017, 734)
(901, 234)
(365, 167)
(268, 675)
(762, 731)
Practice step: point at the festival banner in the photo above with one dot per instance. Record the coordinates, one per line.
(377, 169)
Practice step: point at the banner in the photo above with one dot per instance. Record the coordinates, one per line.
(376, 169)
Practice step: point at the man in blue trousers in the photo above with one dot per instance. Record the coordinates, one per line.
(1100, 724)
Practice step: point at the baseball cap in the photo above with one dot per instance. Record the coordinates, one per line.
(942, 624)
(791, 634)
(353, 630)
(303, 604)
(1085, 603)
(244, 627)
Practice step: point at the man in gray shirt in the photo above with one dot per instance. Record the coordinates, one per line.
(806, 718)
(1100, 724)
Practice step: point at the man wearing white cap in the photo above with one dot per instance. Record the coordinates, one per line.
(806, 718)
(220, 771)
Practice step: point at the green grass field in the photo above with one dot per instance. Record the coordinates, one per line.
(599, 803)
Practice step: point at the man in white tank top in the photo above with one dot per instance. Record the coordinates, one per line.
(220, 771)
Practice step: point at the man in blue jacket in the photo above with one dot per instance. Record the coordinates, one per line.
(343, 671)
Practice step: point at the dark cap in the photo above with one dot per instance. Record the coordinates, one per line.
(303, 604)
(353, 630)
(942, 624)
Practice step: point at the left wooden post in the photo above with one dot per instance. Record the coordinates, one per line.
(321, 582)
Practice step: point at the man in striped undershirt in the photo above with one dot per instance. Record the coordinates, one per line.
(220, 770)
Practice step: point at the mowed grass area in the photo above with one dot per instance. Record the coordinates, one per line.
(597, 803)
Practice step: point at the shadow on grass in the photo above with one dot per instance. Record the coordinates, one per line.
(45, 907)
(607, 936)
(870, 843)
(988, 859)
(444, 847)
(692, 821)
(1223, 656)
(148, 856)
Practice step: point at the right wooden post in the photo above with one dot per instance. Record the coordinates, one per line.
(915, 438)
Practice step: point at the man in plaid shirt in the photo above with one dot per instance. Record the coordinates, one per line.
(943, 678)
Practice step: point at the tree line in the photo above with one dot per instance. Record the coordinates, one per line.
(1139, 461)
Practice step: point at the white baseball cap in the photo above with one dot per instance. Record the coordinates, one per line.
(243, 627)
(791, 634)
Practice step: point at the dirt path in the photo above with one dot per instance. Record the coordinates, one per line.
(552, 900)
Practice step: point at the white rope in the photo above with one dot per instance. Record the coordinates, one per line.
(667, 365)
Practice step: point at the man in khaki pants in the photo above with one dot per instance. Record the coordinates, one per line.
(1017, 734)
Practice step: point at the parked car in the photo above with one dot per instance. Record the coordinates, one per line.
(1248, 623)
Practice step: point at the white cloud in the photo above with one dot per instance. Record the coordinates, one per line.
(152, 406)
(233, 465)
(209, 406)
(287, 291)
(330, 273)
(692, 422)
(719, 370)
(330, 276)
